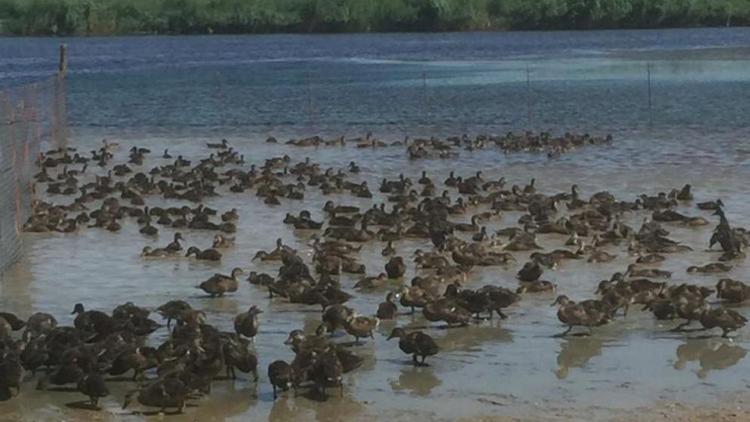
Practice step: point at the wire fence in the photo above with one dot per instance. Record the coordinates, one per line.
(33, 117)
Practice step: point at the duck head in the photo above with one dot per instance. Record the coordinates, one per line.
(77, 309)
(561, 300)
(237, 272)
(295, 337)
(192, 250)
(397, 333)
(254, 310)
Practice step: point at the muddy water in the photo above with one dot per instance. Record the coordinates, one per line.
(514, 367)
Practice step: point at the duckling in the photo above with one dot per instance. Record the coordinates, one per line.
(395, 267)
(714, 267)
(205, 255)
(246, 323)
(388, 310)
(280, 375)
(219, 284)
(389, 250)
(361, 326)
(93, 386)
(726, 319)
(732, 291)
(416, 343)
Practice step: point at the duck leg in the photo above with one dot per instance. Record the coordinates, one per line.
(565, 333)
(414, 358)
(275, 395)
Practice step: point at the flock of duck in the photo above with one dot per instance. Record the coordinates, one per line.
(101, 345)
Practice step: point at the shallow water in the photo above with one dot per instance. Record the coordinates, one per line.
(514, 367)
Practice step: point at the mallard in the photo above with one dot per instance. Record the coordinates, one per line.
(388, 309)
(589, 313)
(205, 255)
(537, 286)
(710, 205)
(732, 291)
(280, 375)
(388, 250)
(447, 310)
(92, 321)
(246, 323)
(599, 255)
(219, 284)
(173, 310)
(149, 252)
(93, 386)
(222, 242)
(395, 267)
(369, 283)
(361, 326)
(416, 343)
(162, 393)
(650, 259)
(175, 246)
(531, 271)
(714, 267)
(726, 319)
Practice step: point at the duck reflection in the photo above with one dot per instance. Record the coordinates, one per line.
(576, 352)
(300, 408)
(711, 354)
(464, 339)
(419, 381)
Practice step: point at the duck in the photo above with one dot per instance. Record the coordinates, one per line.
(589, 313)
(727, 319)
(149, 252)
(280, 375)
(369, 283)
(599, 256)
(389, 250)
(219, 284)
(447, 310)
(395, 267)
(634, 271)
(537, 286)
(204, 255)
(714, 267)
(222, 242)
(732, 291)
(650, 259)
(531, 271)
(361, 326)
(96, 322)
(168, 392)
(173, 310)
(149, 230)
(93, 386)
(388, 309)
(417, 344)
(246, 323)
(174, 246)
(710, 205)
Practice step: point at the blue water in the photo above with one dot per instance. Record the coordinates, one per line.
(179, 92)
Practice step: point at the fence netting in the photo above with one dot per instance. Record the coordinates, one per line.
(32, 118)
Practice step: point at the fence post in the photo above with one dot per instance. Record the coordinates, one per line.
(528, 97)
(62, 69)
(650, 103)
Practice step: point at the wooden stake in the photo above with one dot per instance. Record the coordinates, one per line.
(62, 70)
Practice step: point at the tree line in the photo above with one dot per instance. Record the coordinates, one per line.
(92, 17)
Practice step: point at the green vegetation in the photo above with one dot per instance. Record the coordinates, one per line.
(80, 17)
